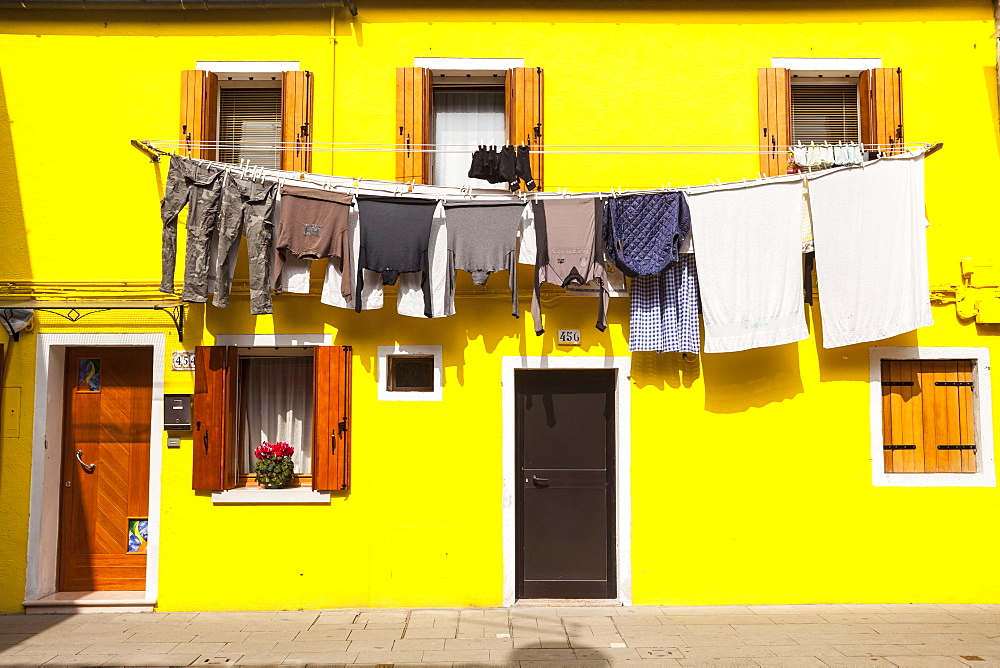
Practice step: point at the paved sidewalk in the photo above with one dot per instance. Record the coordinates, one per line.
(810, 635)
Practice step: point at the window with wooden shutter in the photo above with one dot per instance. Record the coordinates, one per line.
(217, 445)
(214, 414)
(774, 110)
(296, 120)
(332, 418)
(199, 114)
(248, 118)
(523, 118)
(525, 122)
(928, 416)
(880, 92)
(413, 124)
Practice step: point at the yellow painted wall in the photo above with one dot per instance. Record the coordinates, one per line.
(751, 471)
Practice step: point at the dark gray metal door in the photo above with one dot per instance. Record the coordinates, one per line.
(565, 487)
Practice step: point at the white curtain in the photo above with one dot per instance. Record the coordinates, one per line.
(278, 406)
(468, 119)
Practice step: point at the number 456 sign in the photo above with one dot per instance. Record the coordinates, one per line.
(569, 337)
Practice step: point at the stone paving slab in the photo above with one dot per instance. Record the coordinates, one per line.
(808, 635)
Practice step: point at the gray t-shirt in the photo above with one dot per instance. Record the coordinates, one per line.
(482, 238)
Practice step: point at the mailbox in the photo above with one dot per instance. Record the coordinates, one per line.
(177, 412)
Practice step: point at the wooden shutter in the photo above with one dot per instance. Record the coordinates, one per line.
(413, 124)
(331, 464)
(927, 411)
(296, 120)
(880, 94)
(774, 109)
(214, 444)
(199, 114)
(524, 114)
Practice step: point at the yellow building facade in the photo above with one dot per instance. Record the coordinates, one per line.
(739, 477)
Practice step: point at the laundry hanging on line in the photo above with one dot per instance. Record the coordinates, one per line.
(527, 237)
(510, 166)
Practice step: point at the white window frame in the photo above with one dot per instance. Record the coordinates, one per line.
(384, 394)
(985, 475)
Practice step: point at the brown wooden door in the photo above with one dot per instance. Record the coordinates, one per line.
(108, 401)
(565, 495)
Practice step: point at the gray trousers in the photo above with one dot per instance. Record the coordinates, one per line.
(247, 210)
(199, 187)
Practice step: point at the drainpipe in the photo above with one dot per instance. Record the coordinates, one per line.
(996, 26)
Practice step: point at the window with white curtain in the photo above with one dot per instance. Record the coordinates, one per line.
(276, 404)
(464, 119)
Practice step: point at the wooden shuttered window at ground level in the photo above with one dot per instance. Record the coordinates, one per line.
(523, 111)
(216, 418)
(331, 448)
(214, 415)
(928, 417)
(200, 117)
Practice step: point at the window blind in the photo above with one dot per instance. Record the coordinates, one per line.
(825, 113)
(250, 126)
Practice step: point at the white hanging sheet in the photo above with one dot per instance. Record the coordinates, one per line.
(750, 264)
(871, 250)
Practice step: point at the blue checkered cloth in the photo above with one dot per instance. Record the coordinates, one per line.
(664, 310)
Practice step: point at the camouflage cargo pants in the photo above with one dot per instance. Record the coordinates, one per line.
(199, 187)
(247, 209)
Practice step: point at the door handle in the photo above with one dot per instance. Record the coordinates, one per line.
(535, 479)
(205, 439)
(89, 468)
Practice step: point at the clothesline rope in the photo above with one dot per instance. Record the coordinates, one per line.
(551, 149)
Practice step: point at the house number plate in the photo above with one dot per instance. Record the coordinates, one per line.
(569, 337)
(182, 360)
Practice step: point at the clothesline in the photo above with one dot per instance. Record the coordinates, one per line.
(550, 149)
(360, 185)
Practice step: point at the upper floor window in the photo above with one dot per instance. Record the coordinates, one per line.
(446, 107)
(827, 100)
(258, 111)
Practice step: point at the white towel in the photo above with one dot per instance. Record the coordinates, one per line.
(295, 275)
(871, 250)
(371, 296)
(750, 264)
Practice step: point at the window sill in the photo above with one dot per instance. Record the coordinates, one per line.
(258, 496)
(981, 479)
